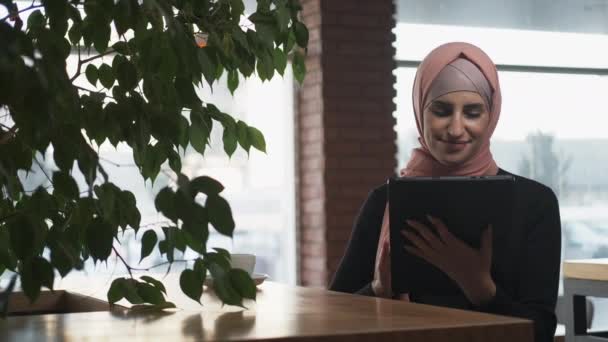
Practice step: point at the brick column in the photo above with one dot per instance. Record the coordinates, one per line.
(346, 142)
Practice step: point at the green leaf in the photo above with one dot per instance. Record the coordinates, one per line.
(75, 33)
(121, 47)
(159, 285)
(148, 241)
(107, 197)
(256, 138)
(65, 185)
(27, 236)
(200, 129)
(206, 185)
(186, 92)
(106, 76)
(100, 235)
(196, 236)
(242, 131)
(280, 60)
(222, 285)
(301, 33)
(200, 269)
(129, 208)
(220, 215)
(30, 282)
(165, 203)
(63, 257)
(6, 257)
(43, 271)
(175, 162)
(131, 294)
(191, 284)
(283, 16)
(117, 290)
(299, 67)
(222, 252)
(229, 138)
(237, 7)
(36, 22)
(266, 33)
(101, 36)
(125, 72)
(91, 73)
(149, 293)
(208, 64)
(233, 81)
(242, 283)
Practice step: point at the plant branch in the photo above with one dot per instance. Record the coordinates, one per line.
(87, 60)
(159, 265)
(42, 169)
(81, 62)
(6, 136)
(129, 268)
(11, 15)
(115, 163)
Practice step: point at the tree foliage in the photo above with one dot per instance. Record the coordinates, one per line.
(143, 94)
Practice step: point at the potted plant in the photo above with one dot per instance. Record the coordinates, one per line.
(146, 98)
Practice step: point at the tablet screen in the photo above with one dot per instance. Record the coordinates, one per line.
(467, 205)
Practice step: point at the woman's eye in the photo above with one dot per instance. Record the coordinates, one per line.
(440, 113)
(473, 115)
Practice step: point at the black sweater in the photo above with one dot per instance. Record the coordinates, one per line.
(525, 258)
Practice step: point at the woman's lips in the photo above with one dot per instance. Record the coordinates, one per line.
(455, 145)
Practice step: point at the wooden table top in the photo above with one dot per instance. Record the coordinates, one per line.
(589, 269)
(281, 312)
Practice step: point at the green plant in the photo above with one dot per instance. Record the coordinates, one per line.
(145, 98)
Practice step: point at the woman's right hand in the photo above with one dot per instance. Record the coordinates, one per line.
(381, 285)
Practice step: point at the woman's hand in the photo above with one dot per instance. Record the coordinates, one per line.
(382, 273)
(468, 267)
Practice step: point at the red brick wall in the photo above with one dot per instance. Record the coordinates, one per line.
(346, 143)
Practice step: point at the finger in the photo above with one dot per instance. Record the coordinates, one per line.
(420, 253)
(425, 233)
(404, 297)
(442, 229)
(416, 240)
(384, 255)
(387, 244)
(486, 244)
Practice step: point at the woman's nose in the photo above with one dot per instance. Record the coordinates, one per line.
(456, 126)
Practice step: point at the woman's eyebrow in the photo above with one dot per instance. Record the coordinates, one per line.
(474, 106)
(442, 104)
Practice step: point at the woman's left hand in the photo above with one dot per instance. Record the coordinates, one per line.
(468, 267)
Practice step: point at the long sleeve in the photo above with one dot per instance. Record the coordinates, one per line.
(356, 270)
(539, 274)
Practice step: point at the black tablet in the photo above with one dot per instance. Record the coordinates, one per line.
(465, 204)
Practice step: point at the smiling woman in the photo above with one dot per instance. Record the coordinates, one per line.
(457, 104)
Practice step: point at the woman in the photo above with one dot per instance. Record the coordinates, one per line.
(515, 272)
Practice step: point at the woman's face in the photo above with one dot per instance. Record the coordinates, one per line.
(454, 125)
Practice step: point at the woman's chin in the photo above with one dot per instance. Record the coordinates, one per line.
(453, 159)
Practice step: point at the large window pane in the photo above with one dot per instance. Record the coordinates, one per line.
(551, 127)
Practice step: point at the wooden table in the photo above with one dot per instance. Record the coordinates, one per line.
(281, 313)
(583, 278)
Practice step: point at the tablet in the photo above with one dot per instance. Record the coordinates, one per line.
(465, 204)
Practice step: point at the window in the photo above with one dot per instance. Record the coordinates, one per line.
(551, 126)
(259, 187)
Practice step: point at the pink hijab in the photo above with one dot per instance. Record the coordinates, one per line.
(433, 80)
(422, 162)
